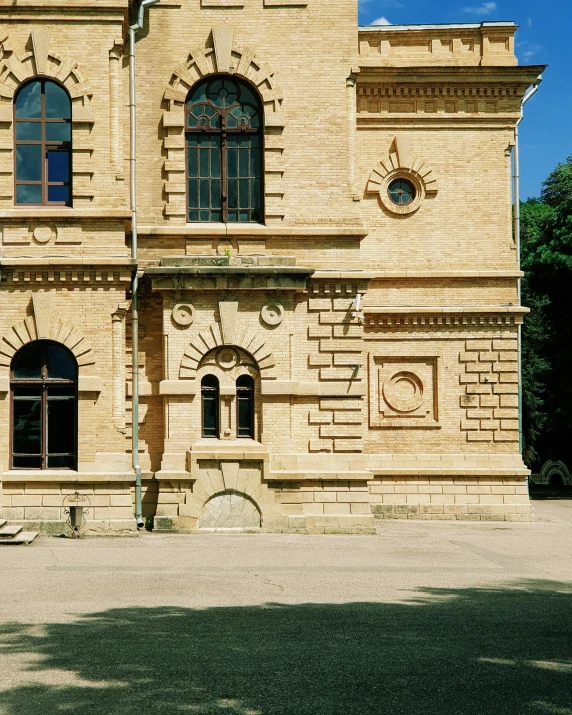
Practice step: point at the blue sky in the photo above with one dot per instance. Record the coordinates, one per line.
(542, 38)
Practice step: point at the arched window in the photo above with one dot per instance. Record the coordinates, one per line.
(210, 400)
(224, 151)
(245, 406)
(43, 384)
(42, 129)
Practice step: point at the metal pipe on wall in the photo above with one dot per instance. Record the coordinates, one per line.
(133, 30)
(516, 231)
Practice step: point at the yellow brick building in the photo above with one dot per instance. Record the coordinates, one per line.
(326, 269)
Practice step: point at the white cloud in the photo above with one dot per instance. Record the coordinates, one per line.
(529, 22)
(485, 9)
(381, 21)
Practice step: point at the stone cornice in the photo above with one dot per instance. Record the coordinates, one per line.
(377, 317)
(381, 74)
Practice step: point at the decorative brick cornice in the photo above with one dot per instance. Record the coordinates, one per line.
(406, 317)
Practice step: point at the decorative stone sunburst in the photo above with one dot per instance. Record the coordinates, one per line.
(400, 164)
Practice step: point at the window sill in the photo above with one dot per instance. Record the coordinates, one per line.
(250, 230)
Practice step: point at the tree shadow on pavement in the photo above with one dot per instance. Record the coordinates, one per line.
(486, 651)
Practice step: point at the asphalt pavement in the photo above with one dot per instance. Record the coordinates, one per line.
(436, 618)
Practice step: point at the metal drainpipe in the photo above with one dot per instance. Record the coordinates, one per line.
(516, 230)
(133, 30)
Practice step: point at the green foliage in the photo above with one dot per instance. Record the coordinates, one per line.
(546, 244)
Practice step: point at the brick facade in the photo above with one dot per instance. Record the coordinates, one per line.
(405, 407)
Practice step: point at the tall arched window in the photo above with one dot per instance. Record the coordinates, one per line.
(43, 384)
(224, 151)
(42, 121)
(245, 406)
(210, 402)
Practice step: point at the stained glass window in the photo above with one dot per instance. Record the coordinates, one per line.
(224, 152)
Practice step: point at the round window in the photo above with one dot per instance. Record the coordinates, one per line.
(401, 192)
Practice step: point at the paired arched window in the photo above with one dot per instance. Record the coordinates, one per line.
(224, 123)
(43, 385)
(42, 121)
(210, 393)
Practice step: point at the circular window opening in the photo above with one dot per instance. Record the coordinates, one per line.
(401, 192)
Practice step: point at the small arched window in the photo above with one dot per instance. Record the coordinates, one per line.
(42, 131)
(224, 122)
(210, 408)
(245, 406)
(43, 385)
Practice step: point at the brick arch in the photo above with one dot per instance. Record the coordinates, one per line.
(222, 56)
(211, 338)
(40, 61)
(29, 330)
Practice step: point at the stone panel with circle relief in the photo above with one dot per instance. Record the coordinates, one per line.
(403, 391)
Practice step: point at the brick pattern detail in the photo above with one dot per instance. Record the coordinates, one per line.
(490, 379)
(337, 356)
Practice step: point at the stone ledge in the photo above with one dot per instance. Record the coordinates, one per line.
(38, 214)
(310, 475)
(65, 476)
(253, 231)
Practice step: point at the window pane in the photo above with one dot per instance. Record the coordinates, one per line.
(28, 163)
(60, 391)
(193, 193)
(193, 216)
(27, 392)
(243, 163)
(59, 194)
(232, 160)
(58, 165)
(61, 426)
(215, 194)
(210, 415)
(58, 132)
(27, 437)
(204, 163)
(27, 462)
(233, 194)
(58, 105)
(61, 364)
(28, 101)
(244, 416)
(28, 131)
(215, 162)
(204, 193)
(192, 158)
(61, 461)
(243, 195)
(28, 362)
(28, 194)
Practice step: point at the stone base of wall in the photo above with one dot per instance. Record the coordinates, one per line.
(250, 504)
(490, 498)
(459, 512)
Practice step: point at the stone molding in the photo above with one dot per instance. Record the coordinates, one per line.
(45, 325)
(224, 55)
(403, 317)
(15, 69)
(244, 338)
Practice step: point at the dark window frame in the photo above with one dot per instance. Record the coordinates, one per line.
(223, 133)
(245, 393)
(46, 146)
(213, 390)
(43, 383)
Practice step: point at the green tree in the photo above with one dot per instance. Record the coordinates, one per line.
(546, 243)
